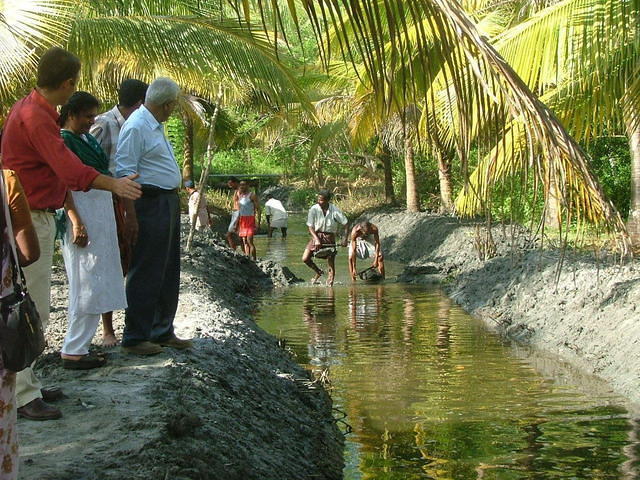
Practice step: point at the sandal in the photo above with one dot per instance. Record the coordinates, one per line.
(87, 362)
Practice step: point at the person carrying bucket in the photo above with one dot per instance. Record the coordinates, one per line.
(365, 243)
(323, 220)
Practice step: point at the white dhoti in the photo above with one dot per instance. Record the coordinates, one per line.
(364, 249)
(278, 223)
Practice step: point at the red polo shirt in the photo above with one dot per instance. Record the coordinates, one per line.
(33, 148)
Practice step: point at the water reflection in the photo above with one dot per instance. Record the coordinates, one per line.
(273, 248)
(430, 393)
(319, 314)
(365, 307)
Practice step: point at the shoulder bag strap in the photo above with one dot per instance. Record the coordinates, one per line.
(12, 241)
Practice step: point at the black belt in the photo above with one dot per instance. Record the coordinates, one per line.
(153, 191)
(44, 210)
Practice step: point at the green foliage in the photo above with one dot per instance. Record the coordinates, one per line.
(611, 161)
(426, 177)
(175, 132)
(303, 197)
(250, 160)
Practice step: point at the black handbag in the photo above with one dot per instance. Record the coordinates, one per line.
(21, 335)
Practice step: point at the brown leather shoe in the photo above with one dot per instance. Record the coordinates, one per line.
(52, 394)
(39, 410)
(175, 342)
(143, 348)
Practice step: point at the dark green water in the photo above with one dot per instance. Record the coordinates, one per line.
(431, 393)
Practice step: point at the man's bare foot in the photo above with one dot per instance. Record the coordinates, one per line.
(109, 340)
(316, 277)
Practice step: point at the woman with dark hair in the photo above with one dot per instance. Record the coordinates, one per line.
(323, 220)
(246, 203)
(90, 244)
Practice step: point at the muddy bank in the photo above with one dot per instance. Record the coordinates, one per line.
(236, 407)
(589, 317)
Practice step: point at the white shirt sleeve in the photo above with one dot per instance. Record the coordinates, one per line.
(311, 218)
(339, 217)
(128, 152)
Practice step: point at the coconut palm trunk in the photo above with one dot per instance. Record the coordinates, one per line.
(444, 176)
(633, 223)
(385, 157)
(552, 212)
(413, 202)
(187, 167)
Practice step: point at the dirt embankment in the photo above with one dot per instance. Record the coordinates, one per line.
(235, 407)
(588, 317)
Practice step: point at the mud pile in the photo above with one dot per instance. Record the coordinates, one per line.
(235, 407)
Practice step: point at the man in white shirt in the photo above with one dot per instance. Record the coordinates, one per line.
(107, 125)
(323, 222)
(153, 222)
(276, 214)
(106, 130)
(197, 214)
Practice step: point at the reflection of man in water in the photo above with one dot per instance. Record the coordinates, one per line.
(365, 307)
(319, 312)
(365, 243)
(276, 214)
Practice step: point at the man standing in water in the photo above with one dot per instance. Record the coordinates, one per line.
(233, 183)
(365, 243)
(323, 220)
(276, 215)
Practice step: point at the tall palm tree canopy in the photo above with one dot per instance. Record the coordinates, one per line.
(462, 65)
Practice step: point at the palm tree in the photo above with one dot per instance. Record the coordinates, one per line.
(583, 62)
(25, 28)
(489, 103)
(195, 42)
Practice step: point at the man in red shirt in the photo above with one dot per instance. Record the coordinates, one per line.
(33, 148)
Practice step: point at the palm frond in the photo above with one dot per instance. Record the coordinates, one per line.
(26, 29)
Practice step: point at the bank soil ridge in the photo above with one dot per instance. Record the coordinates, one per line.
(588, 315)
(235, 407)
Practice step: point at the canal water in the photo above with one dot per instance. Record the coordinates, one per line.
(429, 392)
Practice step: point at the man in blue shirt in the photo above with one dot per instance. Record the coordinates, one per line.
(152, 224)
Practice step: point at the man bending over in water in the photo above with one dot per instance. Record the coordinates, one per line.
(323, 221)
(365, 243)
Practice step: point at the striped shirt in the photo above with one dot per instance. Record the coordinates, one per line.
(106, 130)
